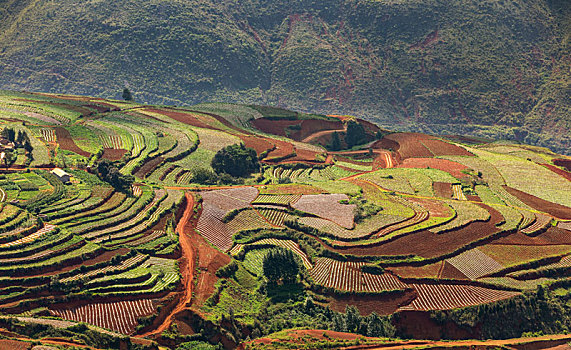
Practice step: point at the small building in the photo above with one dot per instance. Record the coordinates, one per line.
(61, 175)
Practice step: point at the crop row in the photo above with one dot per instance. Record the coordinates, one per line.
(475, 264)
(119, 316)
(348, 276)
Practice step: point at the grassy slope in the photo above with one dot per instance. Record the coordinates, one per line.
(425, 63)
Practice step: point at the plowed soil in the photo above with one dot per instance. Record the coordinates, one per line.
(449, 271)
(185, 118)
(148, 167)
(442, 189)
(367, 304)
(566, 163)
(441, 148)
(410, 145)
(113, 154)
(453, 168)
(66, 142)
(553, 236)
(558, 171)
(557, 210)
(258, 143)
(306, 127)
(429, 245)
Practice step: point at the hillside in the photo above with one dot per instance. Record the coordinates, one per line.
(145, 234)
(496, 68)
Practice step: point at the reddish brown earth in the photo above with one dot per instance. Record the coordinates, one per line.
(185, 118)
(449, 271)
(294, 189)
(283, 151)
(113, 154)
(453, 168)
(442, 189)
(148, 167)
(565, 163)
(557, 210)
(410, 145)
(441, 148)
(367, 304)
(387, 144)
(260, 144)
(185, 229)
(553, 236)
(429, 245)
(7, 344)
(66, 142)
(558, 171)
(307, 127)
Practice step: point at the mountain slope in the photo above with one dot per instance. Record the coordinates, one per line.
(487, 68)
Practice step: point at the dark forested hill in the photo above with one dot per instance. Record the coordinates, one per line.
(496, 68)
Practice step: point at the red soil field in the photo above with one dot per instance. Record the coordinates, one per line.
(429, 245)
(385, 143)
(441, 148)
(367, 304)
(449, 271)
(565, 163)
(558, 171)
(185, 118)
(442, 189)
(304, 155)
(410, 145)
(66, 142)
(260, 144)
(113, 154)
(307, 127)
(553, 236)
(148, 167)
(7, 344)
(557, 210)
(283, 150)
(453, 168)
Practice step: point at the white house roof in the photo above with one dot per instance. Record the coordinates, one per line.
(59, 172)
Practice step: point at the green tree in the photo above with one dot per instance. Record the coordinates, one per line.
(355, 134)
(127, 96)
(110, 173)
(236, 160)
(335, 142)
(280, 266)
(9, 134)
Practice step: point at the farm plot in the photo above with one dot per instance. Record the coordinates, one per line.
(348, 276)
(541, 223)
(363, 229)
(254, 261)
(328, 207)
(410, 145)
(441, 148)
(118, 316)
(466, 213)
(288, 244)
(475, 264)
(517, 172)
(511, 255)
(284, 199)
(453, 168)
(247, 220)
(275, 217)
(458, 194)
(230, 199)
(29, 238)
(49, 135)
(451, 296)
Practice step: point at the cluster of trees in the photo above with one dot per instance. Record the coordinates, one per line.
(355, 135)
(20, 139)
(280, 266)
(110, 173)
(236, 160)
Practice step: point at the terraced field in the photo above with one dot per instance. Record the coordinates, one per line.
(408, 220)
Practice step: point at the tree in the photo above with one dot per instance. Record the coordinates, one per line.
(9, 134)
(335, 142)
(280, 266)
(110, 173)
(127, 96)
(355, 134)
(236, 160)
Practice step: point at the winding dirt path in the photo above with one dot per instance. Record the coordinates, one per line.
(187, 267)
